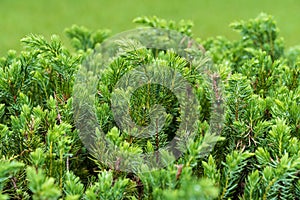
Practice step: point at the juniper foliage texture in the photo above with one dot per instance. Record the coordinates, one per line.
(255, 157)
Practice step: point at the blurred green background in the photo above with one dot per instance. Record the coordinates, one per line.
(211, 17)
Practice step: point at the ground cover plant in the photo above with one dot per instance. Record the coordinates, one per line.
(256, 155)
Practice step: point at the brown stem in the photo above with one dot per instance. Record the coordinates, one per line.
(179, 171)
(68, 163)
(13, 180)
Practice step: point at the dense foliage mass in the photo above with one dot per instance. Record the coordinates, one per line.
(256, 156)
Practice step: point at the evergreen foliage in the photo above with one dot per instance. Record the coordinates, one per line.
(255, 157)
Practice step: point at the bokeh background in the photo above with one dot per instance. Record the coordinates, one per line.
(211, 17)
